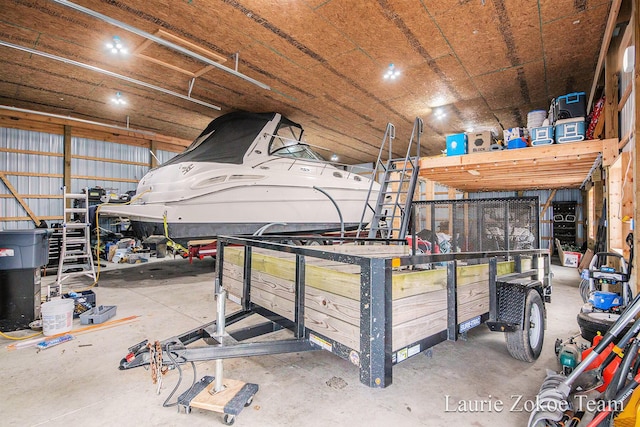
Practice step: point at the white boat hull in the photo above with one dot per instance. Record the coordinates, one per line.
(195, 199)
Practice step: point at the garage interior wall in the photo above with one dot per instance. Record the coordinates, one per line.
(32, 163)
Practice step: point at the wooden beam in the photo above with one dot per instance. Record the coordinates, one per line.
(37, 153)
(521, 169)
(625, 97)
(611, 93)
(26, 218)
(548, 202)
(604, 48)
(20, 200)
(33, 196)
(153, 149)
(42, 123)
(66, 169)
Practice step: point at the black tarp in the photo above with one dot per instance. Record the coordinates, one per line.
(229, 138)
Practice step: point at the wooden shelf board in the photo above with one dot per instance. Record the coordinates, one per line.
(541, 167)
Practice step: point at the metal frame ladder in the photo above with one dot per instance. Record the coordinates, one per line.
(76, 258)
(392, 212)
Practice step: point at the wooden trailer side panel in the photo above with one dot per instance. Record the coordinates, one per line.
(332, 293)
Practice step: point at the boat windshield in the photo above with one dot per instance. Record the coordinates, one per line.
(287, 142)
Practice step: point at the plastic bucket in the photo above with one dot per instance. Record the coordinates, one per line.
(57, 316)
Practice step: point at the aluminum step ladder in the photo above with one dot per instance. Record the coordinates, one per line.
(399, 177)
(76, 258)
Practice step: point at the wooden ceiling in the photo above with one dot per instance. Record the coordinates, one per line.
(485, 63)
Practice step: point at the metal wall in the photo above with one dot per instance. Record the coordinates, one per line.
(165, 156)
(115, 167)
(26, 183)
(627, 115)
(119, 177)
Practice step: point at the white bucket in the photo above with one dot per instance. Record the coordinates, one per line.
(57, 316)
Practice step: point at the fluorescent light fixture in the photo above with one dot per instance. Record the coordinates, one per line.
(391, 73)
(118, 99)
(474, 172)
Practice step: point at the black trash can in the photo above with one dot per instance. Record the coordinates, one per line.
(22, 254)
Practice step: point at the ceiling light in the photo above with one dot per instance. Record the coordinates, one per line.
(440, 114)
(391, 73)
(116, 46)
(118, 99)
(334, 158)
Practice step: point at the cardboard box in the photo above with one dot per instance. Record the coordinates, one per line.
(568, 259)
(479, 141)
(514, 133)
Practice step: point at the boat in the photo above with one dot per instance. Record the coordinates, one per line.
(247, 173)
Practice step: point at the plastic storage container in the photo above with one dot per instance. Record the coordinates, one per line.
(22, 254)
(542, 135)
(82, 301)
(570, 130)
(517, 143)
(21, 249)
(570, 106)
(456, 144)
(98, 314)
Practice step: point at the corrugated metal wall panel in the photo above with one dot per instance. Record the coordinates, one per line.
(627, 115)
(18, 139)
(118, 172)
(165, 156)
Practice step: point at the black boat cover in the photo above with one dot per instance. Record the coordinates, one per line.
(226, 139)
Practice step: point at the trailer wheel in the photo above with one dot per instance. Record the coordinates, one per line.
(526, 343)
(592, 323)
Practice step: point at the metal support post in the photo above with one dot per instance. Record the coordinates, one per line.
(452, 301)
(375, 323)
(299, 296)
(246, 284)
(220, 324)
(493, 289)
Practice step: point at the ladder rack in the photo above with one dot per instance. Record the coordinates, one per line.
(76, 258)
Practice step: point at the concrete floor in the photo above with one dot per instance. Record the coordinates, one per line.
(78, 382)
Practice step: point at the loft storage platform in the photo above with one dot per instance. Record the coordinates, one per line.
(552, 166)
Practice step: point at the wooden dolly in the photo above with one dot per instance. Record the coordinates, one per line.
(235, 396)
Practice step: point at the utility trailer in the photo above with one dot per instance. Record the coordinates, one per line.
(373, 302)
(366, 304)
